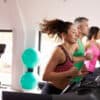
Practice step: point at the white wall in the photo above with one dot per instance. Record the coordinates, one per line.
(4, 15)
(35, 10)
(18, 43)
(11, 18)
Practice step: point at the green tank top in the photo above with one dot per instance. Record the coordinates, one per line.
(79, 65)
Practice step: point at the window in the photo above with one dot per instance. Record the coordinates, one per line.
(6, 56)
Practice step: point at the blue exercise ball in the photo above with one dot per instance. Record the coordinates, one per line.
(30, 58)
(28, 81)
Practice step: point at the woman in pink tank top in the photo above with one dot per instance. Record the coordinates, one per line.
(93, 48)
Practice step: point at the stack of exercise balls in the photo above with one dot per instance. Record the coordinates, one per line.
(30, 59)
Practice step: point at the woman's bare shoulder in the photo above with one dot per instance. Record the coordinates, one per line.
(57, 52)
(88, 44)
(98, 43)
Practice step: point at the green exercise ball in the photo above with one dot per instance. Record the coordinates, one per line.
(28, 81)
(30, 58)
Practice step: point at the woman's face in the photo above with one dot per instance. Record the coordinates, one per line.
(71, 36)
(98, 35)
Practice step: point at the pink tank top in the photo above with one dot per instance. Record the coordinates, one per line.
(66, 65)
(94, 50)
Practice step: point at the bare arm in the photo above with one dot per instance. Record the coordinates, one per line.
(78, 59)
(98, 45)
(83, 72)
(51, 75)
(81, 58)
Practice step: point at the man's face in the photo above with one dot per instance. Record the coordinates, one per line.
(83, 27)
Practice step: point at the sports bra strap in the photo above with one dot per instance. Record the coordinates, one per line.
(65, 52)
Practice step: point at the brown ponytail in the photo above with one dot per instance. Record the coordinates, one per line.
(55, 26)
